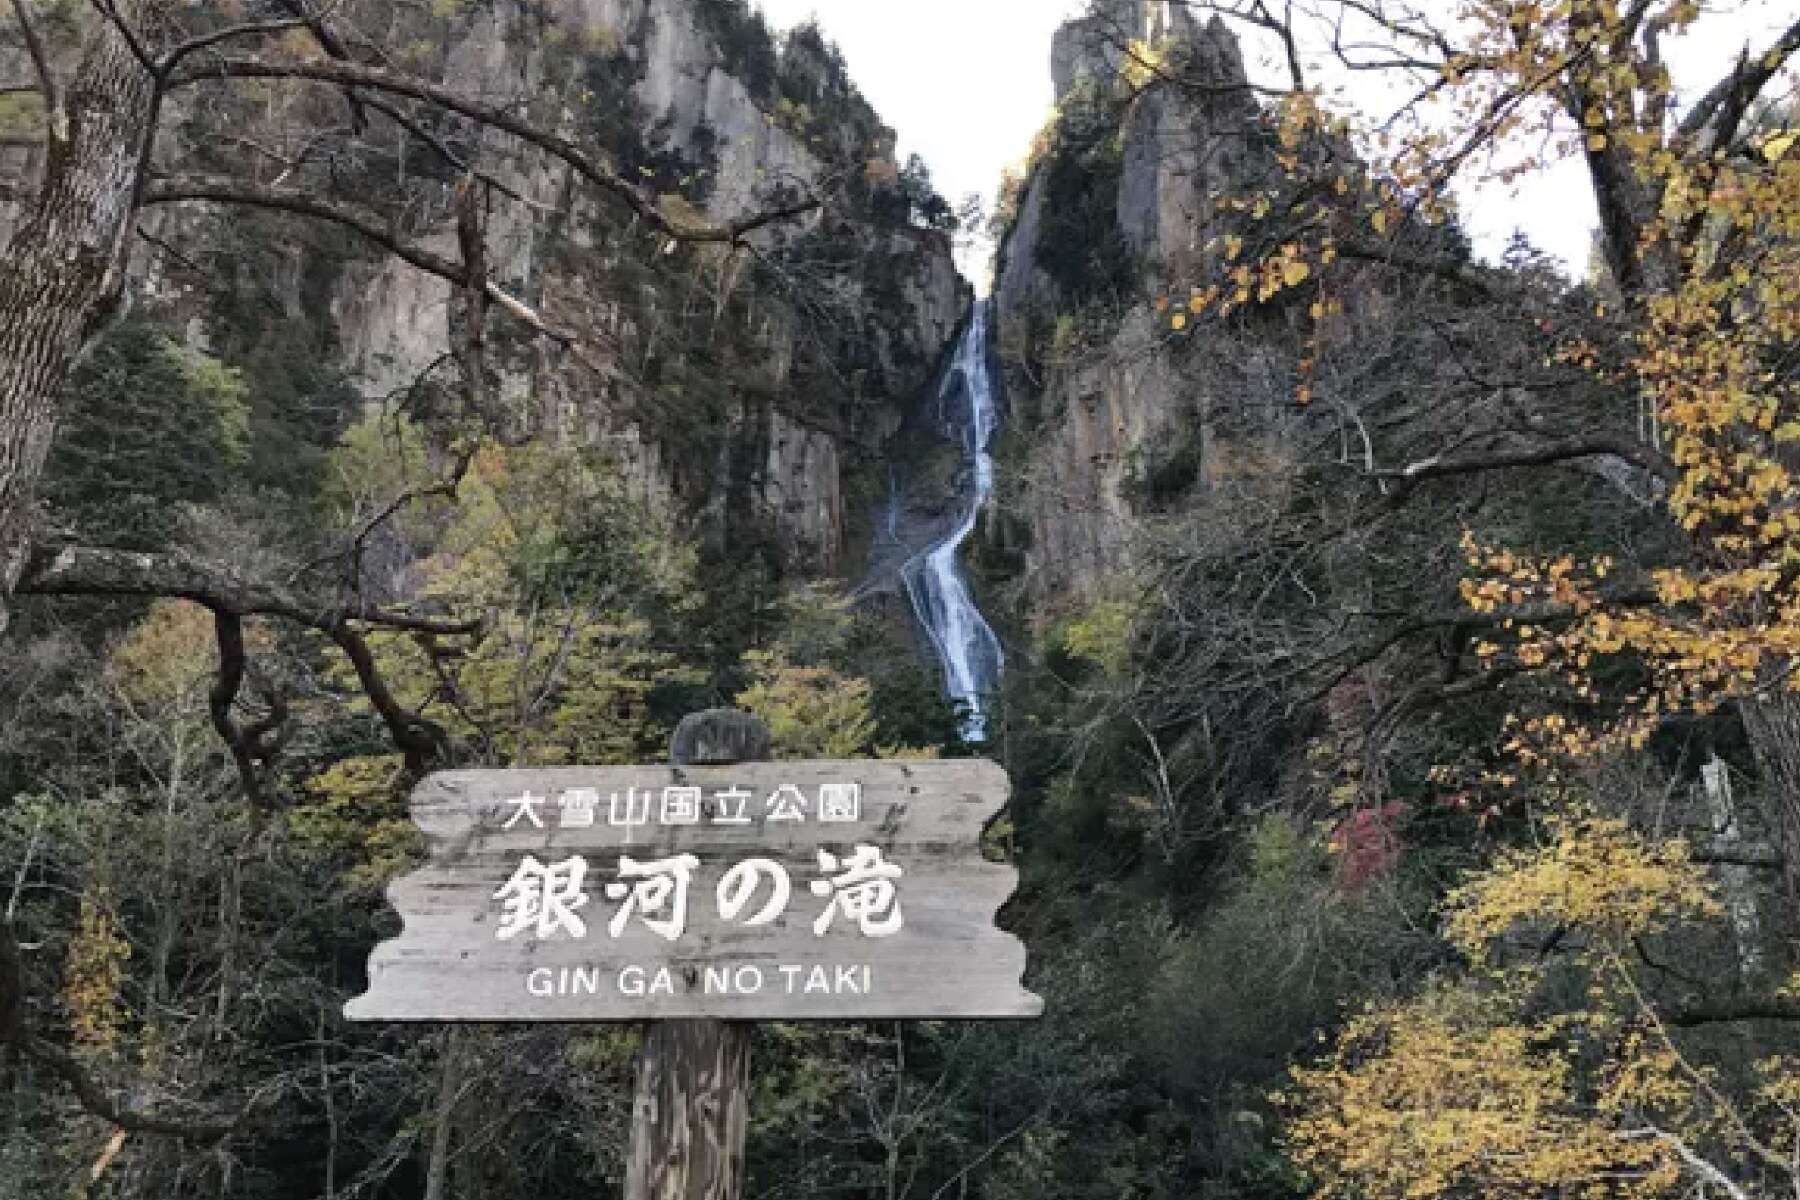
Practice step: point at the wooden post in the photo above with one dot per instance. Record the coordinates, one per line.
(692, 1106)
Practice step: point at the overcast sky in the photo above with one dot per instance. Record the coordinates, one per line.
(966, 83)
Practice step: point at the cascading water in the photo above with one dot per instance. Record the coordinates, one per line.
(965, 644)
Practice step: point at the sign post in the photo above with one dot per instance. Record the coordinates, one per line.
(698, 895)
(691, 1111)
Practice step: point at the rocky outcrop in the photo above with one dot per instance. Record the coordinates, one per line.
(693, 92)
(1182, 151)
(1092, 50)
(1109, 411)
(740, 391)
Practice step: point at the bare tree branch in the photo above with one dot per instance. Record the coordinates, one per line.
(1714, 120)
(443, 150)
(1467, 275)
(1459, 620)
(421, 741)
(639, 199)
(225, 190)
(444, 488)
(1699, 1166)
(71, 570)
(110, 10)
(90, 571)
(98, 1101)
(469, 342)
(228, 630)
(1740, 854)
(172, 57)
(328, 41)
(17, 1038)
(1545, 455)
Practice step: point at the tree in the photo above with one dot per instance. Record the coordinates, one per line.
(923, 204)
(130, 101)
(106, 106)
(1496, 1081)
(1589, 1064)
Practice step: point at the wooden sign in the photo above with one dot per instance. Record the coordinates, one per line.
(791, 891)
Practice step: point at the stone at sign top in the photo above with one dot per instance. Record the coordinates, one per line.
(779, 890)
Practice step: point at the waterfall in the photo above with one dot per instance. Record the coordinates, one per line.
(965, 644)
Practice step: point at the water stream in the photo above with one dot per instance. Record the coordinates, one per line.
(935, 584)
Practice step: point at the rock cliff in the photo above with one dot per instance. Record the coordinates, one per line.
(1110, 413)
(746, 390)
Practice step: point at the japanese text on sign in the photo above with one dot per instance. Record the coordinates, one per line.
(583, 808)
(543, 900)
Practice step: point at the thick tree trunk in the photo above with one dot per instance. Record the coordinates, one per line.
(63, 269)
(1627, 206)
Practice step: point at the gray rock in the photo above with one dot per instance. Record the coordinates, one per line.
(394, 319)
(1122, 401)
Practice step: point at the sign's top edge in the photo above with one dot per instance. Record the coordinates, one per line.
(895, 765)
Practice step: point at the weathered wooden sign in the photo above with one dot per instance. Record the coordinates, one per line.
(803, 890)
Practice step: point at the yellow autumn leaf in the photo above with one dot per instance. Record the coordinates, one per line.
(1780, 144)
(1295, 272)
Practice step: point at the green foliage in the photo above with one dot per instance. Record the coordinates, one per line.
(813, 712)
(1101, 635)
(355, 815)
(582, 587)
(1246, 991)
(746, 46)
(814, 78)
(270, 290)
(150, 426)
(920, 200)
(215, 945)
(21, 114)
(1079, 244)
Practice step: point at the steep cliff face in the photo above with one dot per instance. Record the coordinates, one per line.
(1111, 414)
(849, 308)
(748, 392)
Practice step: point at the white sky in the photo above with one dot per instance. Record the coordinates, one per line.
(966, 83)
